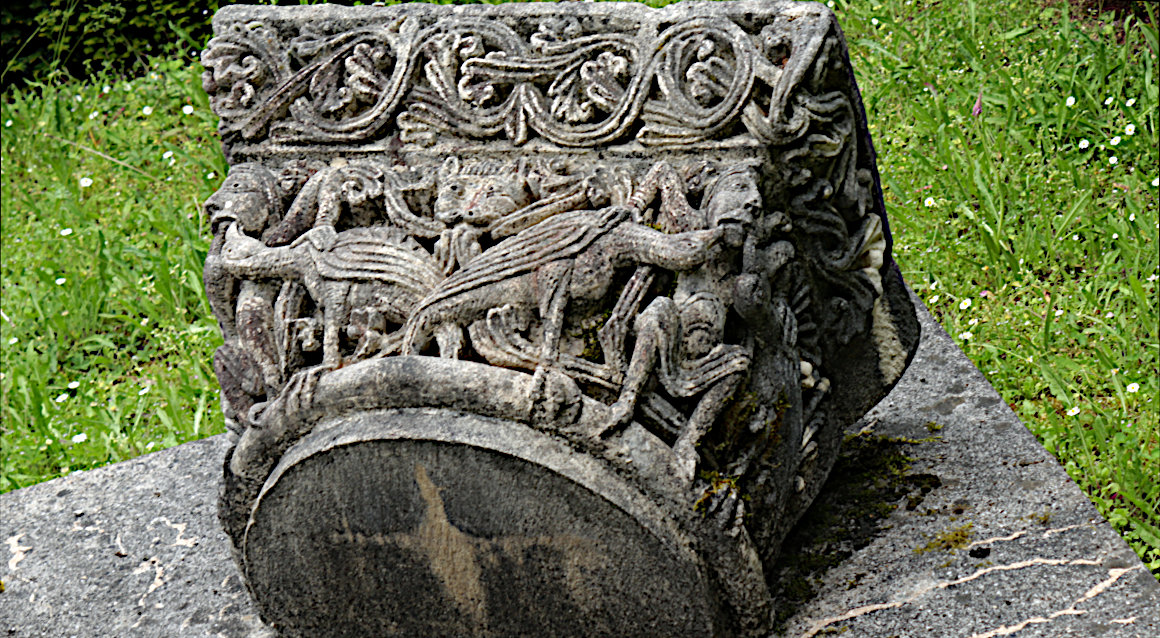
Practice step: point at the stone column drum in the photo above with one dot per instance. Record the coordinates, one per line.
(539, 319)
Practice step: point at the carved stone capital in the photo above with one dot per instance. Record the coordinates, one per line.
(544, 314)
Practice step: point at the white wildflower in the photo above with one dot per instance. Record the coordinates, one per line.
(187, 109)
(1114, 141)
(1070, 100)
(80, 438)
(65, 232)
(60, 281)
(1130, 129)
(965, 336)
(964, 304)
(1113, 160)
(1074, 411)
(62, 397)
(1130, 103)
(73, 385)
(86, 182)
(1084, 144)
(1133, 387)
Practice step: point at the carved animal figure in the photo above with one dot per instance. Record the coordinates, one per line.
(471, 199)
(378, 267)
(569, 256)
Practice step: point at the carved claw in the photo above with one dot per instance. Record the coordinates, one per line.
(619, 415)
(555, 398)
(305, 383)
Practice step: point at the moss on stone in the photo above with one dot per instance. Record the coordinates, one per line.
(949, 540)
(870, 479)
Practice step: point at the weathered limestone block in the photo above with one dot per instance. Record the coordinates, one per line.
(539, 319)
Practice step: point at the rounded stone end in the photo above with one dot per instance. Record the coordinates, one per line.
(365, 529)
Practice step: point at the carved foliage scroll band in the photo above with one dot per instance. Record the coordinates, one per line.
(694, 80)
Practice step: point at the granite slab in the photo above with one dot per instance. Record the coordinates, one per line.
(944, 517)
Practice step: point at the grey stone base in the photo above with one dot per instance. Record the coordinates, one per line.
(1007, 544)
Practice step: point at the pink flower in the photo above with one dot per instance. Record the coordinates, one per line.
(978, 108)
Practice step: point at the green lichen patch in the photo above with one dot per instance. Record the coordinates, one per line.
(949, 540)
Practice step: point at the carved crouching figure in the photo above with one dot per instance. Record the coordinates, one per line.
(680, 340)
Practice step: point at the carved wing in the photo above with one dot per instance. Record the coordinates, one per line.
(560, 237)
(378, 254)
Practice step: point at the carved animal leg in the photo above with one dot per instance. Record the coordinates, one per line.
(704, 416)
(675, 213)
(614, 331)
(240, 380)
(679, 251)
(221, 290)
(334, 318)
(255, 323)
(552, 285)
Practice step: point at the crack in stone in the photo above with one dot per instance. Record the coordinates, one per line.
(1022, 533)
(1099, 588)
(1113, 576)
(18, 551)
(158, 576)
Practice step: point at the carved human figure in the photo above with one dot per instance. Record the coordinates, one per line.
(680, 339)
(247, 365)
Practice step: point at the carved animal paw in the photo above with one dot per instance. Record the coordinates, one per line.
(619, 415)
(555, 398)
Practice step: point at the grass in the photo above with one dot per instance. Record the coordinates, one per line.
(1018, 152)
(1033, 248)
